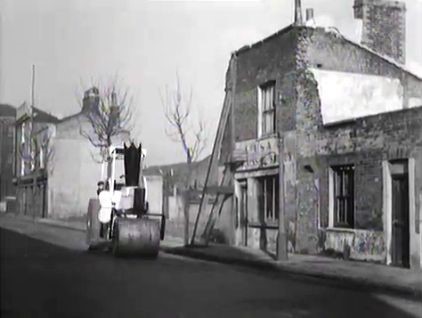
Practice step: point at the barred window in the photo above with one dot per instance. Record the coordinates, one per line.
(344, 201)
(268, 198)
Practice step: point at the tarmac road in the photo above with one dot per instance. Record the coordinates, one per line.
(39, 279)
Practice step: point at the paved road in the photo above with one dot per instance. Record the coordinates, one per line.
(39, 279)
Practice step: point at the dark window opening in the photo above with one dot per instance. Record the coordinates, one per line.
(344, 200)
(268, 198)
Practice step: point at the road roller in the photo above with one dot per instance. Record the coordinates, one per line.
(118, 218)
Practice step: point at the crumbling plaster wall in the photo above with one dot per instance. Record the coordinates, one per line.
(365, 142)
(270, 60)
(331, 51)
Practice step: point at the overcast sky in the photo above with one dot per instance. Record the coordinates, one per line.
(145, 43)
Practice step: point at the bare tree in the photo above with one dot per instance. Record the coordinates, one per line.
(108, 110)
(177, 111)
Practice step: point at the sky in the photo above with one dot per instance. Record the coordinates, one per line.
(144, 43)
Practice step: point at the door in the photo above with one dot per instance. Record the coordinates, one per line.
(244, 212)
(400, 220)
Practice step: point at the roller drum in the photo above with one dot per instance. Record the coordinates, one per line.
(136, 237)
(93, 224)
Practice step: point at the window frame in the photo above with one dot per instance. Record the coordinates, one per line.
(342, 196)
(268, 216)
(263, 111)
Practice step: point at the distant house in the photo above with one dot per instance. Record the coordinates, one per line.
(7, 151)
(76, 169)
(35, 130)
(60, 176)
(343, 121)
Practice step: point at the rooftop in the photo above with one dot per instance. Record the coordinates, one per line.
(7, 110)
(328, 31)
(42, 116)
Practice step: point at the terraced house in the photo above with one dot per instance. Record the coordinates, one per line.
(51, 152)
(7, 142)
(339, 125)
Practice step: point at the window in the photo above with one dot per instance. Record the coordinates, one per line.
(41, 154)
(268, 198)
(266, 109)
(23, 133)
(342, 194)
(10, 131)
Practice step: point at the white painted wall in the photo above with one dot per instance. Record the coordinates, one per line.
(74, 174)
(155, 193)
(73, 180)
(346, 96)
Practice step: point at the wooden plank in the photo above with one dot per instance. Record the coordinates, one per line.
(219, 190)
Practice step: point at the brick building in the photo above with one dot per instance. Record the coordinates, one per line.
(345, 119)
(35, 130)
(7, 141)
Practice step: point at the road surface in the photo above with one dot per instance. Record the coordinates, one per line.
(39, 279)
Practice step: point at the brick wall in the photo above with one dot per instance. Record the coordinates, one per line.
(7, 150)
(330, 51)
(384, 28)
(271, 59)
(310, 149)
(365, 142)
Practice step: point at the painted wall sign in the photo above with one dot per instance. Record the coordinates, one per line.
(260, 153)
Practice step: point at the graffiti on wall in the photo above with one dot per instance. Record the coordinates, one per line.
(369, 243)
(363, 244)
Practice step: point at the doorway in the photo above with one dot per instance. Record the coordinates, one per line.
(244, 212)
(400, 241)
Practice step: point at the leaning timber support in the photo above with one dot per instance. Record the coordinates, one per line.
(224, 123)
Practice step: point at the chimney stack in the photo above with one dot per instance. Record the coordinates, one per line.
(90, 100)
(309, 14)
(383, 26)
(298, 12)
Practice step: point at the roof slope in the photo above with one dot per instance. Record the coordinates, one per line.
(7, 110)
(329, 30)
(177, 168)
(44, 117)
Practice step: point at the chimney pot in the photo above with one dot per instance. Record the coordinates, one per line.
(309, 14)
(298, 12)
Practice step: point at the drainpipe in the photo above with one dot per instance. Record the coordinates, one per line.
(31, 143)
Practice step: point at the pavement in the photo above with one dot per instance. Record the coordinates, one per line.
(357, 274)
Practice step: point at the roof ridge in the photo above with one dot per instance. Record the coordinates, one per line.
(331, 30)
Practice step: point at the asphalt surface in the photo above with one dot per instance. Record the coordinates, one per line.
(39, 279)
